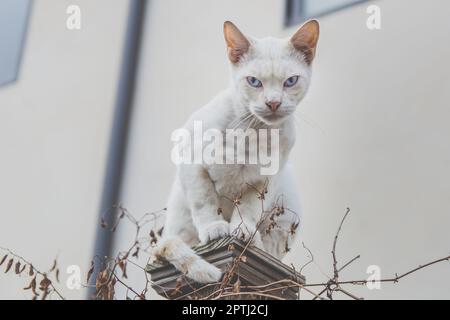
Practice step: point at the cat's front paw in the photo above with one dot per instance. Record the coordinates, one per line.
(214, 230)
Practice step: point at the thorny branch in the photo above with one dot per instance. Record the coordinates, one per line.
(36, 277)
(113, 270)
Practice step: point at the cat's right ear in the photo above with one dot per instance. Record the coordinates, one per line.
(237, 43)
(305, 39)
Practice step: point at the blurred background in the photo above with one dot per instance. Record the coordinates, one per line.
(86, 116)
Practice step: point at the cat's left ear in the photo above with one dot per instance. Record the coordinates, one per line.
(237, 43)
(305, 39)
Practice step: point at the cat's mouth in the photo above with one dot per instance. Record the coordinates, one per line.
(274, 117)
(271, 118)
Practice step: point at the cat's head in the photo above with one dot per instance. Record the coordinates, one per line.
(271, 76)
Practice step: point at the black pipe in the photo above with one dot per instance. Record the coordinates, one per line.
(119, 131)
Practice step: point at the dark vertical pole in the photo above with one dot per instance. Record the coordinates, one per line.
(120, 127)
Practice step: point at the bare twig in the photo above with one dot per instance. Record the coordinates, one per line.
(333, 252)
(114, 268)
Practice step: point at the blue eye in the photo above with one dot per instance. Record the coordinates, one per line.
(255, 83)
(290, 82)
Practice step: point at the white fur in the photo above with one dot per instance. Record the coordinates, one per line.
(199, 190)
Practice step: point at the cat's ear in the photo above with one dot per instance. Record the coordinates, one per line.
(237, 43)
(305, 39)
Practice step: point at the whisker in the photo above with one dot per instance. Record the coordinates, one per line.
(302, 116)
(243, 120)
(238, 119)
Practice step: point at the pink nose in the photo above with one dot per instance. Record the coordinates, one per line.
(273, 105)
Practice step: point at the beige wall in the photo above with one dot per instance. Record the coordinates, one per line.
(54, 130)
(378, 142)
(373, 132)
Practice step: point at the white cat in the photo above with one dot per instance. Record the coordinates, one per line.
(269, 79)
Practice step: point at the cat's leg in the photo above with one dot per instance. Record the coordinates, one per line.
(178, 236)
(248, 215)
(178, 218)
(278, 236)
(203, 202)
(282, 223)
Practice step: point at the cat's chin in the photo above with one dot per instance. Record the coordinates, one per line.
(272, 119)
